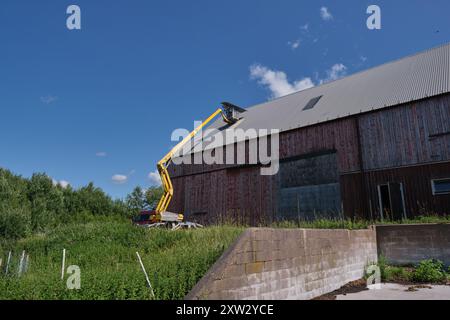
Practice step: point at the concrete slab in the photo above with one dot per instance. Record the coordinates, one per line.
(392, 291)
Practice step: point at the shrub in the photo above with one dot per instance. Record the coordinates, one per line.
(430, 271)
(14, 223)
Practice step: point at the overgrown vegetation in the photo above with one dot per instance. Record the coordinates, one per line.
(427, 271)
(35, 205)
(355, 224)
(42, 218)
(430, 271)
(105, 250)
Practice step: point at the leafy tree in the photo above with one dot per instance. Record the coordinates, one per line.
(47, 202)
(152, 196)
(136, 201)
(36, 204)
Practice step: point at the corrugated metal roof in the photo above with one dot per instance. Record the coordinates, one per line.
(412, 78)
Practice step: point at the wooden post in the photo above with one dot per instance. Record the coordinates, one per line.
(146, 276)
(63, 264)
(8, 262)
(22, 257)
(25, 267)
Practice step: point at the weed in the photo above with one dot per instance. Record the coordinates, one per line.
(104, 250)
(430, 271)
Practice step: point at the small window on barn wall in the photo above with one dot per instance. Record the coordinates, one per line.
(440, 186)
(311, 104)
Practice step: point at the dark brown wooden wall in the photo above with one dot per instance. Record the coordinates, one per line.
(391, 141)
(228, 192)
(239, 195)
(416, 180)
(416, 133)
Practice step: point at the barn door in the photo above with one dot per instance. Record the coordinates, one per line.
(397, 203)
(391, 199)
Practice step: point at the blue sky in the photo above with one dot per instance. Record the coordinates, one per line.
(86, 105)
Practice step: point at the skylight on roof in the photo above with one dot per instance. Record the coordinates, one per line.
(312, 103)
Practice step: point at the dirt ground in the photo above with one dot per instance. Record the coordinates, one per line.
(357, 290)
(351, 287)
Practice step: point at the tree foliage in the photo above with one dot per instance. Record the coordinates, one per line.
(36, 204)
(140, 199)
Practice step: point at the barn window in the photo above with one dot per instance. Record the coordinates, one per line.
(312, 103)
(440, 186)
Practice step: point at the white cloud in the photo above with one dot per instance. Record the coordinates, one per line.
(122, 178)
(119, 178)
(63, 183)
(49, 99)
(154, 177)
(325, 14)
(277, 81)
(335, 72)
(279, 85)
(305, 27)
(294, 44)
(101, 154)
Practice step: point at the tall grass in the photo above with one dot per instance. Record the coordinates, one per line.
(355, 224)
(105, 252)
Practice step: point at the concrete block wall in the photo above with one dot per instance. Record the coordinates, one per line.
(409, 244)
(288, 264)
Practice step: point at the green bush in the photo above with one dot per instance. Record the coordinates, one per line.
(430, 271)
(14, 223)
(382, 264)
(37, 205)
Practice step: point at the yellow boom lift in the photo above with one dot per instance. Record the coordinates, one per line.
(160, 217)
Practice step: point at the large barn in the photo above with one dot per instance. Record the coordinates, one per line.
(373, 145)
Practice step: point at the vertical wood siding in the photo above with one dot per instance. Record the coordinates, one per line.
(416, 133)
(416, 180)
(412, 134)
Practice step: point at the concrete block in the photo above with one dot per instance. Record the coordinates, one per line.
(234, 270)
(244, 257)
(264, 256)
(289, 264)
(255, 267)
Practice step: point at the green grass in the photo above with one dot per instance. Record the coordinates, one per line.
(323, 224)
(355, 224)
(105, 251)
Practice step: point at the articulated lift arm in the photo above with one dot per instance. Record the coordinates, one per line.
(229, 115)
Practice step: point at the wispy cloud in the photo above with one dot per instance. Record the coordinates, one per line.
(337, 71)
(119, 178)
(294, 44)
(154, 177)
(279, 85)
(101, 154)
(325, 14)
(304, 27)
(277, 81)
(49, 99)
